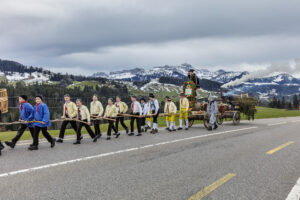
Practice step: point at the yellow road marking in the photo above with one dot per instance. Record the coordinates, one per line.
(206, 191)
(279, 148)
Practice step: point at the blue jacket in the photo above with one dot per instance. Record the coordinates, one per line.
(43, 115)
(26, 113)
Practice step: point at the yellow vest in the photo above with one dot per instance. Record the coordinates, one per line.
(170, 108)
(96, 108)
(123, 107)
(71, 108)
(111, 111)
(84, 113)
(184, 104)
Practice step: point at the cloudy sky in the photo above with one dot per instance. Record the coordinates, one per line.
(86, 36)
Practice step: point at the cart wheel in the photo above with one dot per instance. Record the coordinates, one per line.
(236, 118)
(206, 123)
(191, 122)
(220, 120)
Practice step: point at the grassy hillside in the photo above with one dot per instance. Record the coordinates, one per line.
(262, 113)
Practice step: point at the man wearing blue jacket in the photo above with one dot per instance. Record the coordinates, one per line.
(41, 116)
(25, 116)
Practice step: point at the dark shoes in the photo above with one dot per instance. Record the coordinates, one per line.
(139, 134)
(32, 148)
(108, 138)
(186, 129)
(117, 135)
(146, 128)
(179, 128)
(53, 143)
(95, 139)
(209, 128)
(216, 126)
(99, 136)
(10, 144)
(131, 134)
(77, 142)
(60, 140)
(156, 131)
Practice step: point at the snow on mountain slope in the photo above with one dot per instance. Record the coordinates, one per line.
(139, 74)
(34, 77)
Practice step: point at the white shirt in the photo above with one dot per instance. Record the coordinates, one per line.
(154, 105)
(135, 107)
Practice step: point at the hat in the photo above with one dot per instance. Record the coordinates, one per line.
(39, 96)
(151, 95)
(24, 97)
(66, 95)
(168, 98)
(191, 70)
(133, 96)
(182, 94)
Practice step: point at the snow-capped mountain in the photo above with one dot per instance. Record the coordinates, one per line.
(279, 85)
(139, 74)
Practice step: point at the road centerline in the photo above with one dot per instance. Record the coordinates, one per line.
(279, 147)
(209, 189)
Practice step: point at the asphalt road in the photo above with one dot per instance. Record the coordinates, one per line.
(255, 160)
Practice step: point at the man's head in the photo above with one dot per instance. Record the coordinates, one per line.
(95, 97)
(133, 98)
(143, 100)
(38, 99)
(118, 99)
(67, 98)
(22, 98)
(191, 71)
(151, 96)
(110, 101)
(182, 95)
(168, 99)
(79, 102)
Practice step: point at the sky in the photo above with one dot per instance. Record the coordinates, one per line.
(88, 36)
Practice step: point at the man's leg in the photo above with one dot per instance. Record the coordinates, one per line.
(78, 132)
(36, 136)
(97, 127)
(50, 139)
(138, 124)
(74, 125)
(117, 122)
(90, 131)
(180, 120)
(132, 125)
(123, 124)
(186, 117)
(63, 129)
(20, 132)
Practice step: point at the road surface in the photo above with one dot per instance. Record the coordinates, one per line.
(255, 160)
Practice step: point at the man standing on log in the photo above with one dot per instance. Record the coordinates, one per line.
(83, 115)
(96, 109)
(122, 108)
(136, 112)
(69, 111)
(25, 110)
(154, 107)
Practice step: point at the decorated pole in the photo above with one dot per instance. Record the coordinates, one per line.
(189, 89)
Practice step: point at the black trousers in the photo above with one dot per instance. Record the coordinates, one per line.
(20, 132)
(64, 126)
(87, 127)
(143, 121)
(120, 120)
(138, 122)
(37, 133)
(155, 116)
(97, 127)
(111, 125)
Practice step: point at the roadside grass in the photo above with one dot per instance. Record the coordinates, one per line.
(262, 113)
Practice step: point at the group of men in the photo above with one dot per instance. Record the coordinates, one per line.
(76, 114)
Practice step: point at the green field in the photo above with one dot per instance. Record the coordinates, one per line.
(262, 113)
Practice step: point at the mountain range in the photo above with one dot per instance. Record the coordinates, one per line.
(275, 84)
